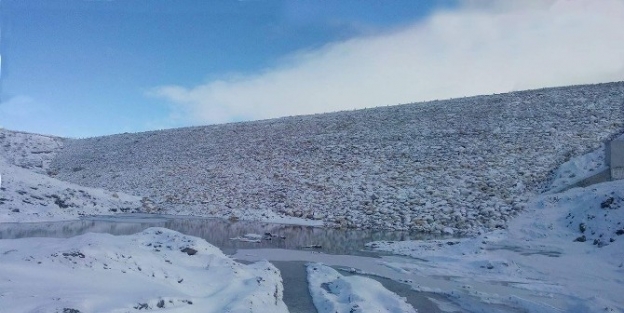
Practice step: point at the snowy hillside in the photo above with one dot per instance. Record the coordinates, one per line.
(29, 151)
(454, 166)
(27, 194)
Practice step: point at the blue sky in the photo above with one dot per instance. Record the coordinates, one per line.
(85, 68)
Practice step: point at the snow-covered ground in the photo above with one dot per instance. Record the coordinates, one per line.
(566, 246)
(157, 269)
(333, 292)
(579, 168)
(458, 165)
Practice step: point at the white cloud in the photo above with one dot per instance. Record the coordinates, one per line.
(481, 48)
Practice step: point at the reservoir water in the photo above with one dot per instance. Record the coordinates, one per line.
(218, 232)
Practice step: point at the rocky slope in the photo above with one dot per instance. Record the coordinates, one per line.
(28, 194)
(29, 151)
(444, 166)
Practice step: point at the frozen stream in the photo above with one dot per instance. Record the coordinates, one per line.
(289, 250)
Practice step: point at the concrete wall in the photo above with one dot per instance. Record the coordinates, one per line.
(616, 159)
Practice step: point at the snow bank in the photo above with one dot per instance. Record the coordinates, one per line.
(567, 246)
(460, 165)
(157, 269)
(333, 292)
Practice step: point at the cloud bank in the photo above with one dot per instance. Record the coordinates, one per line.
(482, 47)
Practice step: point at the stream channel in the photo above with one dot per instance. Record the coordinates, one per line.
(289, 249)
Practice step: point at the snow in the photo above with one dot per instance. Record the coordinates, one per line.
(540, 252)
(579, 168)
(458, 295)
(333, 292)
(153, 270)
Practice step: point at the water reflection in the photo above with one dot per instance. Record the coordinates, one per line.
(216, 231)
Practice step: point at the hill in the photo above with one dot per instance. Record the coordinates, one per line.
(27, 194)
(444, 166)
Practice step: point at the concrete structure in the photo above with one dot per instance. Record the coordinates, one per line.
(615, 159)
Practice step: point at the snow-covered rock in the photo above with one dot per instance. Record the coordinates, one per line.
(460, 165)
(333, 292)
(157, 269)
(29, 151)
